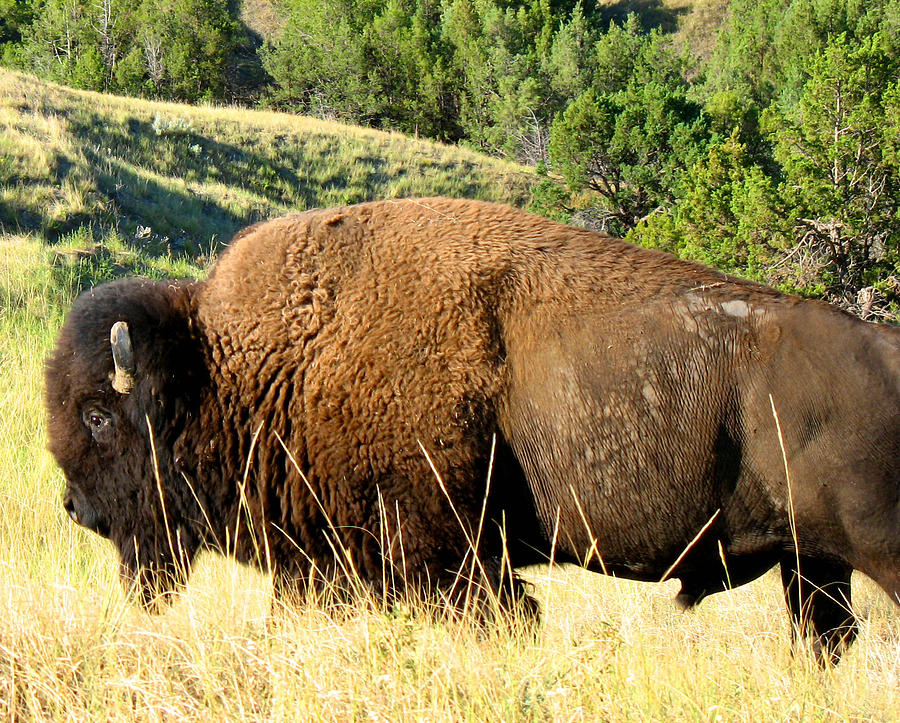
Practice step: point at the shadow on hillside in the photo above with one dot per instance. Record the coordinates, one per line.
(17, 217)
(165, 197)
(153, 221)
(651, 13)
(175, 193)
(187, 221)
(189, 155)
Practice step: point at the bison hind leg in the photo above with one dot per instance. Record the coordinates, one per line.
(819, 602)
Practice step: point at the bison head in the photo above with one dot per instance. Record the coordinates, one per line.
(122, 391)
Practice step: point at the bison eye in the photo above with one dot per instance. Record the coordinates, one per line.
(96, 420)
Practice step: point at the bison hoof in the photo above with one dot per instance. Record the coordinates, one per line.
(687, 598)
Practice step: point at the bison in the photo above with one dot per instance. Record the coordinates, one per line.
(378, 391)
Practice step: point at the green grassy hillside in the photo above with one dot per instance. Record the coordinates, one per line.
(131, 185)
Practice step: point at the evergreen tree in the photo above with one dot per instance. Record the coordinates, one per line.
(316, 59)
(764, 46)
(837, 149)
(378, 62)
(174, 49)
(15, 17)
(195, 39)
(630, 135)
(728, 214)
(498, 53)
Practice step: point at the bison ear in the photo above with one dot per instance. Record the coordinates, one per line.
(123, 357)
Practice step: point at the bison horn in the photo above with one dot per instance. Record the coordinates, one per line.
(123, 357)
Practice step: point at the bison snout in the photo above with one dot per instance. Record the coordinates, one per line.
(84, 514)
(69, 505)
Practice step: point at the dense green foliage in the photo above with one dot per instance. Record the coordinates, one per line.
(175, 49)
(776, 157)
(634, 130)
(799, 183)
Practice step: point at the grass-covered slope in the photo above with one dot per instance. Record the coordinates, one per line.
(132, 180)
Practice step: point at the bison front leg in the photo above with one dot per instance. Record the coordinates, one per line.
(819, 602)
(492, 592)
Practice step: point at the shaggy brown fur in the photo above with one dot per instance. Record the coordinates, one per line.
(299, 398)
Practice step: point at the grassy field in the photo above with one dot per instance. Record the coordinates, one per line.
(121, 185)
(72, 647)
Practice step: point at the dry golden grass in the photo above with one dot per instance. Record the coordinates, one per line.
(72, 647)
(262, 17)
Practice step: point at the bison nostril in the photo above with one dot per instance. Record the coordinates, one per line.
(85, 514)
(69, 506)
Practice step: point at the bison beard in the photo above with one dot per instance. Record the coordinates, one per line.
(358, 398)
